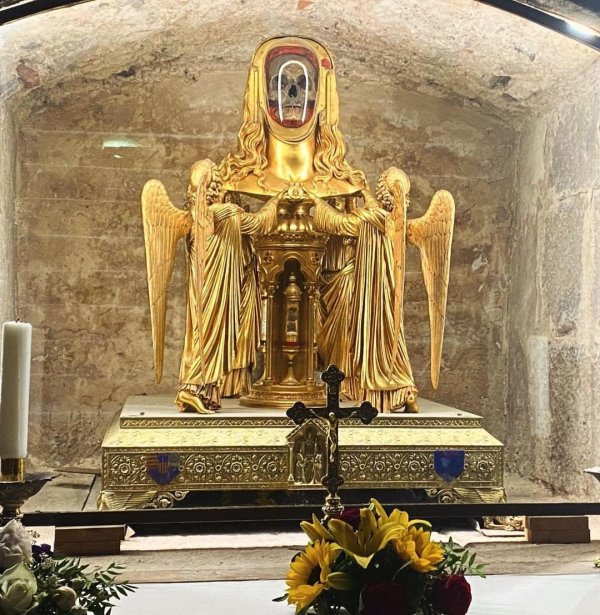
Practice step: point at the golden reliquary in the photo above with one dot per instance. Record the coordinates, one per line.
(292, 262)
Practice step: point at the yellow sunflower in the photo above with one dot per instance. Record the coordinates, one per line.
(415, 546)
(310, 574)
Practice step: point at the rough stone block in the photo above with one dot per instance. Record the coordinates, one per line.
(575, 145)
(561, 262)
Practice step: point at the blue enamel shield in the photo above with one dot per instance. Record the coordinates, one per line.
(449, 465)
(163, 468)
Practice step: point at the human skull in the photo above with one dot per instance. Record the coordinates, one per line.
(292, 89)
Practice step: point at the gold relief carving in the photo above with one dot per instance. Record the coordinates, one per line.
(199, 470)
(201, 423)
(414, 467)
(471, 495)
(481, 495)
(266, 257)
(308, 454)
(443, 496)
(248, 451)
(388, 421)
(387, 466)
(124, 469)
(235, 468)
(266, 394)
(166, 499)
(482, 465)
(124, 500)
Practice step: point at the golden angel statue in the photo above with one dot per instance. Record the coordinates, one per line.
(223, 298)
(286, 208)
(377, 357)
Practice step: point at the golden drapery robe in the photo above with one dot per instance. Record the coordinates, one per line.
(217, 361)
(379, 359)
(336, 286)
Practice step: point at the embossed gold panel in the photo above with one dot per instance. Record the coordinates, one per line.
(261, 449)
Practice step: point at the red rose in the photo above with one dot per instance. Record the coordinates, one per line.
(351, 516)
(384, 599)
(451, 595)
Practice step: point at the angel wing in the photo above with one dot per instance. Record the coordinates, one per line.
(164, 225)
(432, 234)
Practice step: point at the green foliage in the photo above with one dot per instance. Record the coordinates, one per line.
(460, 560)
(96, 589)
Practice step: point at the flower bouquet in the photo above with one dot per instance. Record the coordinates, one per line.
(34, 580)
(366, 562)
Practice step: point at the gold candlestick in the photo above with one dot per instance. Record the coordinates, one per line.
(12, 470)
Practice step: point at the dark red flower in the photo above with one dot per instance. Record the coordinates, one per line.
(451, 595)
(351, 516)
(39, 552)
(385, 599)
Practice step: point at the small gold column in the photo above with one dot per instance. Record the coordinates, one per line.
(12, 470)
(269, 341)
(310, 341)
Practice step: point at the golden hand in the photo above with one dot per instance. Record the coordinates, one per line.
(275, 200)
(317, 200)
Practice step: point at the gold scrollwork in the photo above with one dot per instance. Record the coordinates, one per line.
(443, 496)
(387, 466)
(199, 470)
(166, 499)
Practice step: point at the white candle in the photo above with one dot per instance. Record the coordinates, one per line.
(14, 396)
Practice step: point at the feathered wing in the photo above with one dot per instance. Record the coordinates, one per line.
(164, 225)
(432, 234)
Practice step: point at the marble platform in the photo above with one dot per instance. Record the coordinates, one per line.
(153, 455)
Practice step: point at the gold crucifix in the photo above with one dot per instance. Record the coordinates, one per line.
(331, 414)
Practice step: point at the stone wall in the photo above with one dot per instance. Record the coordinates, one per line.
(7, 194)
(554, 305)
(81, 278)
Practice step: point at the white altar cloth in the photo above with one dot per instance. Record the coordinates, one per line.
(495, 595)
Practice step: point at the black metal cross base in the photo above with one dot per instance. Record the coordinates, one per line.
(331, 414)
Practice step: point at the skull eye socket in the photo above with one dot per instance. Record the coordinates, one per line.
(301, 82)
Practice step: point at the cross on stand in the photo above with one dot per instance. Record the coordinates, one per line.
(331, 414)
